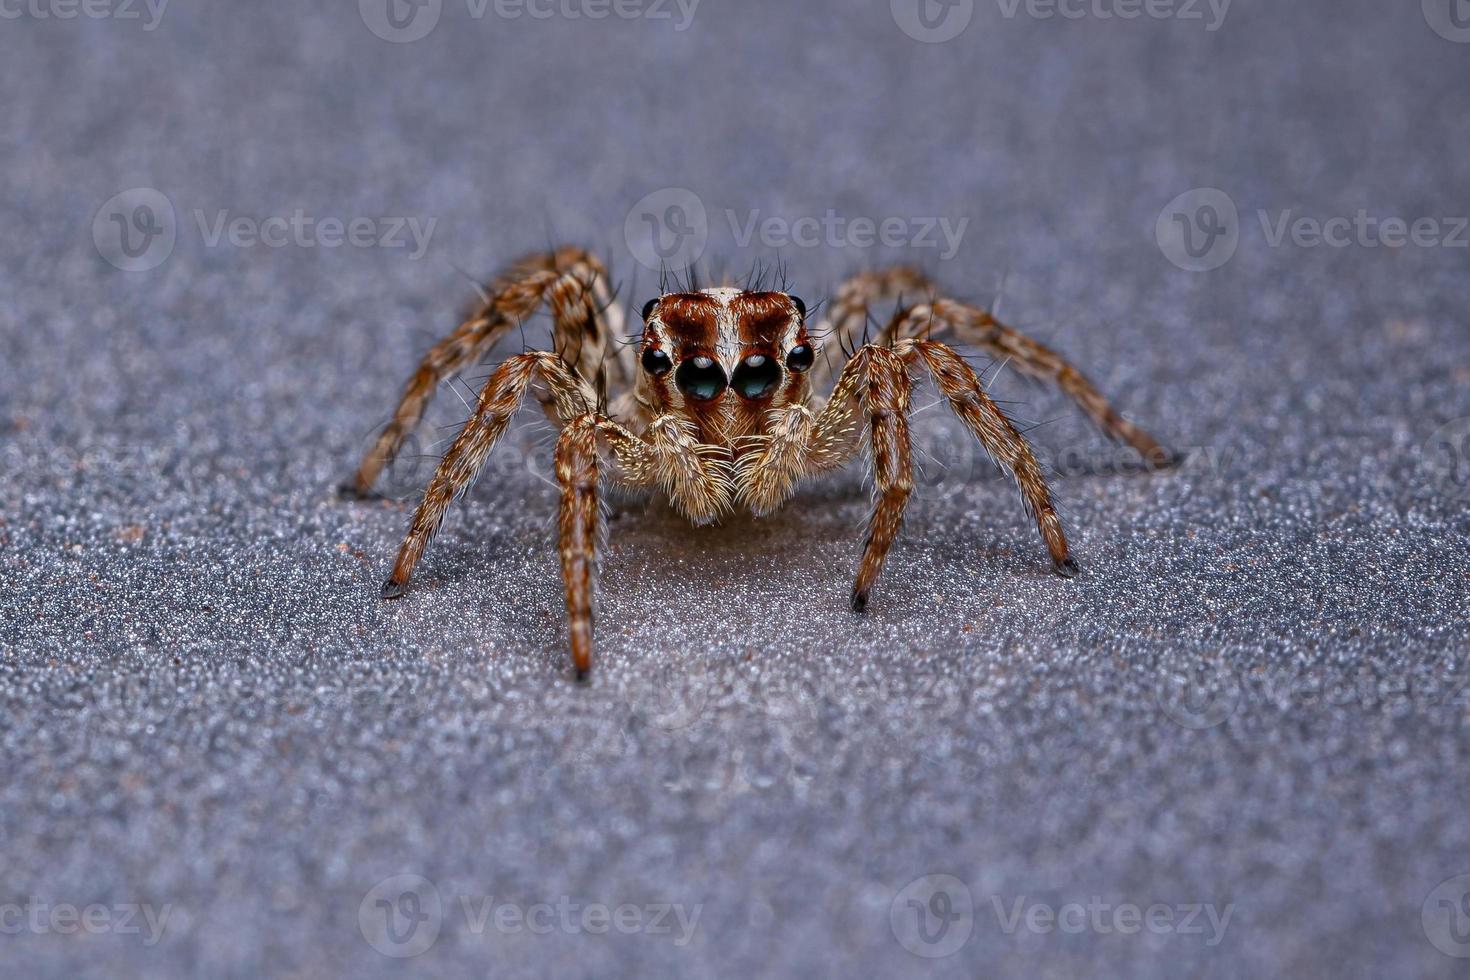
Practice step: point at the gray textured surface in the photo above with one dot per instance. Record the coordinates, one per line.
(204, 705)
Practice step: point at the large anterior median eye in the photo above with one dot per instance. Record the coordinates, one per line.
(656, 362)
(756, 376)
(700, 378)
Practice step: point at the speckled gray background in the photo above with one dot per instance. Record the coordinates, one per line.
(1251, 699)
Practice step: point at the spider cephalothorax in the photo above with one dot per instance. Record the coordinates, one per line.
(718, 406)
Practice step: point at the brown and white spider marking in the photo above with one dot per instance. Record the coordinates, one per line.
(720, 406)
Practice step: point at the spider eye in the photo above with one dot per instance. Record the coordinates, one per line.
(700, 378)
(800, 306)
(656, 362)
(648, 308)
(800, 357)
(755, 376)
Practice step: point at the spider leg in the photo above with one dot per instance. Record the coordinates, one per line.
(885, 401)
(846, 317)
(1001, 439)
(869, 406)
(874, 387)
(663, 458)
(574, 281)
(578, 473)
(972, 325)
(499, 400)
(935, 315)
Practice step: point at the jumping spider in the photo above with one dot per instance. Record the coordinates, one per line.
(718, 406)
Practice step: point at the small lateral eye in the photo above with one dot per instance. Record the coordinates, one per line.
(800, 305)
(648, 308)
(656, 362)
(800, 357)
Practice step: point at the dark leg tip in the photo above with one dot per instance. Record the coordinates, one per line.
(1067, 567)
(1166, 459)
(394, 590)
(351, 491)
(859, 600)
(583, 674)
